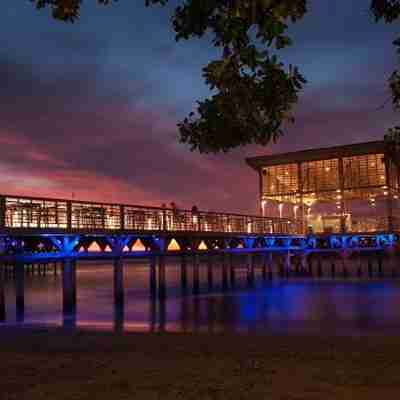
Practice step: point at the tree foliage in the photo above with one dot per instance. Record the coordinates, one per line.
(253, 91)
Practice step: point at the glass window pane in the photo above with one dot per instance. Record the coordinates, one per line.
(320, 175)
(364, 171)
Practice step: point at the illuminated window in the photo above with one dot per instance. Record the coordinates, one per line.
(320, 175)
(364, 171)
(280, 179)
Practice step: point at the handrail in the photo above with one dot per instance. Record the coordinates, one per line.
(133, 205)
(18, 212)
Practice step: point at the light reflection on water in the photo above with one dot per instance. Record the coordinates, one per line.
(298, 306)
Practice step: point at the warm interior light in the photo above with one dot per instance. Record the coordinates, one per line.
(138, 246)
(173, 246)
(203, 246)
(280, 209)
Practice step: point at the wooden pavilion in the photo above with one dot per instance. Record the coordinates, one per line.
(352, 188)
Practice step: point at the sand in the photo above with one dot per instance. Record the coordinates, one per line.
(56, 364)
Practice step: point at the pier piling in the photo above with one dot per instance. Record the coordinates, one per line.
(162, 290)
(118, 266)
(196, 274)
(250, 270)
(153, 276)
(370, 272)
(210, 271)
(224, 272)
(69, 286)
(184, 281)
(19, 287)
(232, 270)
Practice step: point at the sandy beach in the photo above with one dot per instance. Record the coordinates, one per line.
(56, 364)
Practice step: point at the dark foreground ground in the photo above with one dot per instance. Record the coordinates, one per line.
(53, 364)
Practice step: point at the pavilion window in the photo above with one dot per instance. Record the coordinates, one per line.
(364, 171)
(320, 175)
(280, 179)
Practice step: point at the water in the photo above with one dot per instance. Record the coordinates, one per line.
(298, 306)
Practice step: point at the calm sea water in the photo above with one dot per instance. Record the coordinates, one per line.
(298, 306)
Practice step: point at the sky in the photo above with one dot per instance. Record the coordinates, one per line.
(89, 110)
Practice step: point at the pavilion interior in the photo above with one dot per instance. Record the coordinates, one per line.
(348, 194)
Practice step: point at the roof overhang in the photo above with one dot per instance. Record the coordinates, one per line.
(324, 153)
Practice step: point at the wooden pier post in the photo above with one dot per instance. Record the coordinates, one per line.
(287, 264)
(69, 286)
(196, 274)
(310, 267)
(345, 270)
(210, 272)
(270, 261)
(224, 272)
(153, 276)
(232, 270)
(264, 267)
(2, 294)
(250, 269)
(359, 269)
(119, 315)
(20, 287)
(370, 271)
(320, 270)
(162, 292)
(184, 280)
(333, 268)
(118, 266)
(380, 268)
(303, 264)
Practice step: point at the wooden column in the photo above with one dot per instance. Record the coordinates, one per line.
(300, 192)
(119, 314)
(2, 294)
(270, 264)
(153, 276)
(287, 264)
(196, 275)
(69, 286)
(260, 188)
(224, 272)
(264, 266)
(341, 188)
(118, 267)
(303, 263)
(184, 281)
(210, 271)
(250, 269)
(389, 202)
(20, 287)
(232, 270)
(162, 291)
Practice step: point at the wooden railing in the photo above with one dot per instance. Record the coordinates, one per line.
(18, 212)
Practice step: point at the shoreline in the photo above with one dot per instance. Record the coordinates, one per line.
(48, 363)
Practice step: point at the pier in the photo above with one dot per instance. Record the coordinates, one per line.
(37, 235)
